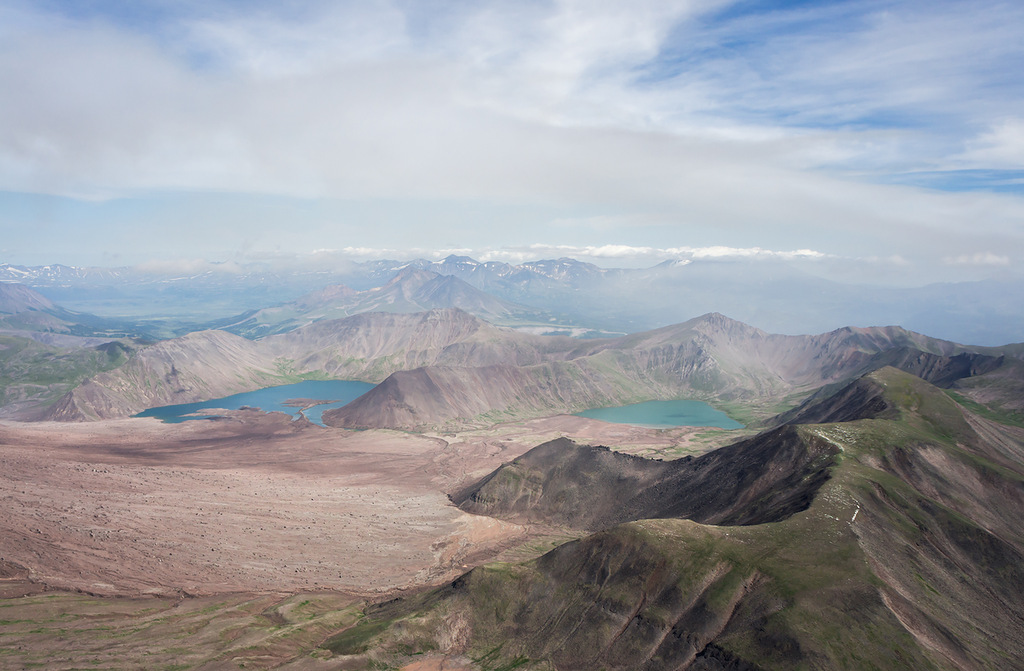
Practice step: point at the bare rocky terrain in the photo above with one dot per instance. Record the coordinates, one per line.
(248, 539)
(880, 524)
(255, 502)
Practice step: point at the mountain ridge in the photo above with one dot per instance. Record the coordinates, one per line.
(907, 556)
(711, 358)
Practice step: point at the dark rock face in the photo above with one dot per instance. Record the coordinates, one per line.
(764, 479)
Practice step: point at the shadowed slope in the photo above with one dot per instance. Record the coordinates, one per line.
(965, 371)
(764, 479)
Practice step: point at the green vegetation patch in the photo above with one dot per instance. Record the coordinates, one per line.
(356, 639)
(992, 411)
(32, 371)
(44, 631)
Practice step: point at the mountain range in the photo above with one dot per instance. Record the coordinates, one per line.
(448, 369)
(410, 290)
(890, 539)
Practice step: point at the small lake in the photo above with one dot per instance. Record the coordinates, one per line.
(271, 399)
(662, 414)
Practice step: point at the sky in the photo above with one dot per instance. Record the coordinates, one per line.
(866, 139)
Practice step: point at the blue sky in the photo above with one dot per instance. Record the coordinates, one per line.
(885, 139)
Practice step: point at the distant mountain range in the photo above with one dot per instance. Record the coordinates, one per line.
(773, 295)
(27, 313)
(410, 290)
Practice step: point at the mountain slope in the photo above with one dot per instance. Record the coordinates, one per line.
(23, 311)
(34, 374)
(368, 347)
(453, 397)
(17, 298)
(201, 365)
(711, 358)
(909, 556)
(764, 479)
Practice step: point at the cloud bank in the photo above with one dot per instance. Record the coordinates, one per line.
(662, 125)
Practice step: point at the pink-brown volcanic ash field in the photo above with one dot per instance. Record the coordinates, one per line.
(254, 503)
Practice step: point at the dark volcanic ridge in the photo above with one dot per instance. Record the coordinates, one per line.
(890, 539)
(764, 479)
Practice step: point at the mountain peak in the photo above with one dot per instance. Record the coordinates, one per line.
(454, 258)
(890, 393)
(716, 322)
(329, 294)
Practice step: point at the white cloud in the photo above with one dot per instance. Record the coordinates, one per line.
(611, 253)
(1001, 146)
(643, 131)
(719, 252)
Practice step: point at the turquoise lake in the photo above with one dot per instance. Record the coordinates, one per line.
(662, 414)
(271, 399)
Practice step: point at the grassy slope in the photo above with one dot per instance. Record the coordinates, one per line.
(32, 371)
(61, 630)
(907, 558)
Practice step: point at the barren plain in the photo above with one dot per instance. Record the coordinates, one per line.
(114, 524)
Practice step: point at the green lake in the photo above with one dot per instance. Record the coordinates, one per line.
(662, 414)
